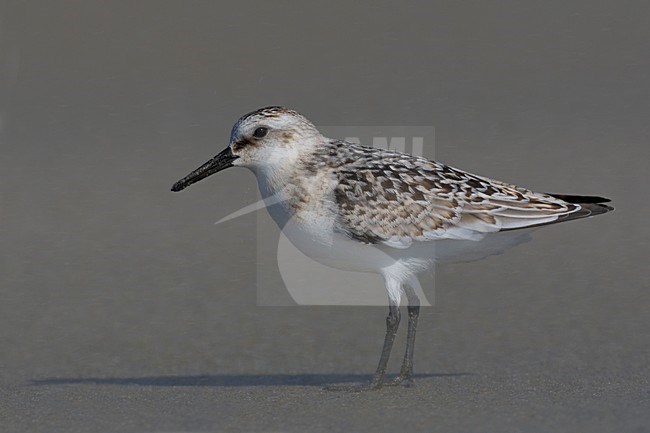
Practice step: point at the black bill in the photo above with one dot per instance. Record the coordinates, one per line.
(218, 163)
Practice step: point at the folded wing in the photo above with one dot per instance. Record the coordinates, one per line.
(397, 199)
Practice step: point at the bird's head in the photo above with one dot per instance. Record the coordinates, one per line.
(268, 138)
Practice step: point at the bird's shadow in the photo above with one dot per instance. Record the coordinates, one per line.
(227, 380)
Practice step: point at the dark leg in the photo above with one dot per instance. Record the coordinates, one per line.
(406, 372)
(392, 323)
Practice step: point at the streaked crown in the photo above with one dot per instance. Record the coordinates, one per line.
(271, 134)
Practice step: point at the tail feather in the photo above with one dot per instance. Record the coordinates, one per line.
(590, 205)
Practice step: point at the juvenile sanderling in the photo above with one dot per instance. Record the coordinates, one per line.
(367, 209)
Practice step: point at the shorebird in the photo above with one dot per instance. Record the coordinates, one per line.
(368, 209)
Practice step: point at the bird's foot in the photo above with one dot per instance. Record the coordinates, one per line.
(355, 387)
(405, 380)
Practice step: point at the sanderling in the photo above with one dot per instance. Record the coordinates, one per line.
(369, 209)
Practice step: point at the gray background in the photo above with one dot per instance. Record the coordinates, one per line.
(123, 308)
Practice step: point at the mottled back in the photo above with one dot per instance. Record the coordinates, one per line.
(396, 199)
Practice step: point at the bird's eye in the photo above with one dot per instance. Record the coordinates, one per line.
(260, 132)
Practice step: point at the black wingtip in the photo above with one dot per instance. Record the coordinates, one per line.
(581, 199)
(591, 205)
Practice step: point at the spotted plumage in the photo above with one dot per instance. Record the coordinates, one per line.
(397, 199)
